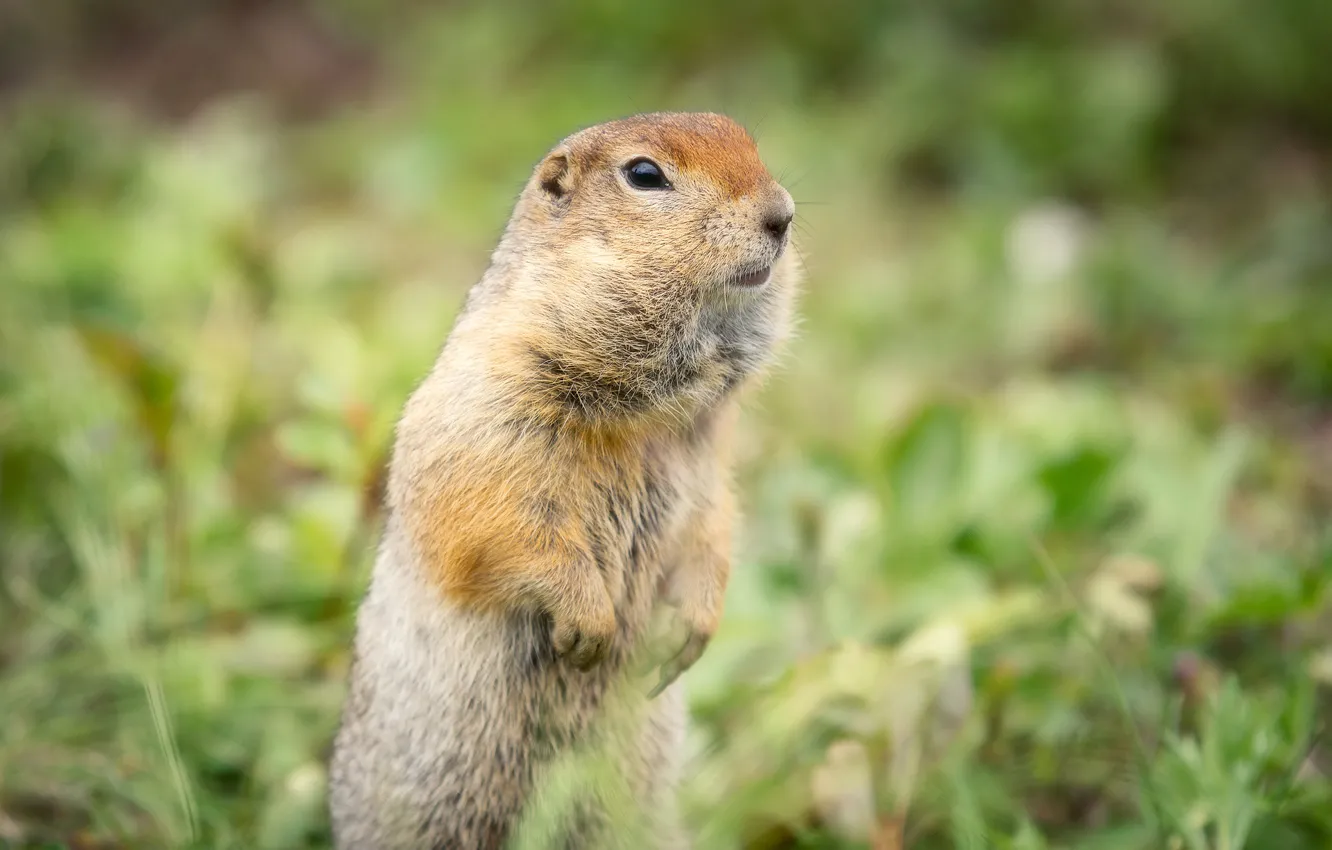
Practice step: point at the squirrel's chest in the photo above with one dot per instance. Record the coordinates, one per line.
(636, 530)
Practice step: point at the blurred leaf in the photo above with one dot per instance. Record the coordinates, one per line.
(1077, 485)
(1257, 604)
(295, 810)
(1320, 667)
(925, 463)
(843, 793)
(320, 445)
(151, 381)
(269, 647)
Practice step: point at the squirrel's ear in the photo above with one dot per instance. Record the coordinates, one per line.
(555, 174)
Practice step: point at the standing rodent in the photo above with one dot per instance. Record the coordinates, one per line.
(561, 472)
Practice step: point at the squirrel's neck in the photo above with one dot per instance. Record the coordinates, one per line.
(564, 387)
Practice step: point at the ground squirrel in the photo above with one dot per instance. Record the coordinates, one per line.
(560, 474)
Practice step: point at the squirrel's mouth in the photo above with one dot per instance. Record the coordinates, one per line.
(751, 279)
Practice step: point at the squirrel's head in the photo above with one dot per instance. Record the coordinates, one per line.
(665, 198)
(653, 254)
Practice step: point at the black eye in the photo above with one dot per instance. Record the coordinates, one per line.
(645, 174)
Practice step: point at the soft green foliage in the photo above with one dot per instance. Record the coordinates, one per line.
(1036, 545)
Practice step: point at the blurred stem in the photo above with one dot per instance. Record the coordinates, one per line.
(889, 813)
(809, 524)
(166, 736)
(1135, 735)
(361, 538)
(1000, 691)
(175, 519)
(889, 833)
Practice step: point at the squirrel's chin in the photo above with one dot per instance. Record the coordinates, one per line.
(751, 279)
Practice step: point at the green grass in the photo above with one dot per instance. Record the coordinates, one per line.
(1036, 510)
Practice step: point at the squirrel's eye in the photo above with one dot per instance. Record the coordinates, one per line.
(645, 174)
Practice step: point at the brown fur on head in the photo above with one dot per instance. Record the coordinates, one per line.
(624, 303)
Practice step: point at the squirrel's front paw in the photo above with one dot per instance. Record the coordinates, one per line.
(584, 636)
(692, 635)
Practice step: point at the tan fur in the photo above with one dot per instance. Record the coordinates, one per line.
(560, 473)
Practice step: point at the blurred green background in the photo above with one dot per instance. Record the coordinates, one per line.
(1036, 549)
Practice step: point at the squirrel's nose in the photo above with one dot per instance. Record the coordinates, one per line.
(777, 222)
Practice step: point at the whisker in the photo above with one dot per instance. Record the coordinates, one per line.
(796, 182)
(754, 131)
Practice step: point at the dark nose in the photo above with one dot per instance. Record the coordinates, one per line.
(777, 222)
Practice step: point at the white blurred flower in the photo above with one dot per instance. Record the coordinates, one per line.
(1045, 243)
(1043, 247)
(1116, 602)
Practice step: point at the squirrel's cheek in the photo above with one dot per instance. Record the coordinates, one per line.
(720, 230)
